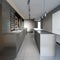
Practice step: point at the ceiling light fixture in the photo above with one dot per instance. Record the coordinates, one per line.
(45, 14)
(29, 8)
(44, 10)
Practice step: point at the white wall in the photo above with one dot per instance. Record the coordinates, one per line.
(56, 23)
(29, 25)
(52, 24)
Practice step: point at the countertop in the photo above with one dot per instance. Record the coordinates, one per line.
(13, 32)
(42, 31)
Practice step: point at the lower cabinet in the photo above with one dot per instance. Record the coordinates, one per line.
(14, 39)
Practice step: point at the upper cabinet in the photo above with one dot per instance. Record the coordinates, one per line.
(15, 21)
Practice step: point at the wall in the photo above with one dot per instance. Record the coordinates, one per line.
(55, 26)
(56, 22)
(29, 24)
(5, 16)
(47, 23)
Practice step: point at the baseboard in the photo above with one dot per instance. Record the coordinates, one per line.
(58, 43)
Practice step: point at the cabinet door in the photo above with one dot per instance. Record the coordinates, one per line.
(1, 36)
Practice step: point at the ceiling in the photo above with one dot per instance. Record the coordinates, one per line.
(38, 7)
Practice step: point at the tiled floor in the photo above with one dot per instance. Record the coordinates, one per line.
(29, 50)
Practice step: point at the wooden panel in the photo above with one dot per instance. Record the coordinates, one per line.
(1, 35)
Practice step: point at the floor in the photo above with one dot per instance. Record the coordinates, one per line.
(28, 51)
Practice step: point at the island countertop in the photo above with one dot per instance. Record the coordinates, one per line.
(42, 31)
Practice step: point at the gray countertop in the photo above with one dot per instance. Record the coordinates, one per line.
(43, 32)
(13, 32)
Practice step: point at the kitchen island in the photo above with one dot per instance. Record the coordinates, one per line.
(45, 42)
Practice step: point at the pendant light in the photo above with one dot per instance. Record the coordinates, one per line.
(28, 3)
(45, 14)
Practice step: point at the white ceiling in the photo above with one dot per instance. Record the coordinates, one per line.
(37, 7)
